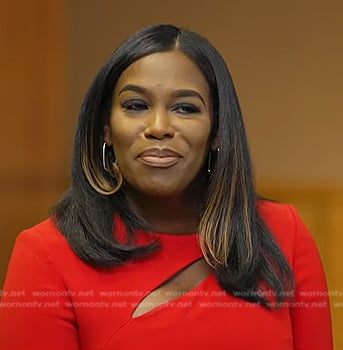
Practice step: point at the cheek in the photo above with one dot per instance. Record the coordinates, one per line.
(201, 143)
(123, 135)
(198, 157)
(120, 149)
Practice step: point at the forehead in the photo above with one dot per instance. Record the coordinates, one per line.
(172, 69)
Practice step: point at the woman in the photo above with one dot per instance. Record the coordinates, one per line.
(162, 241)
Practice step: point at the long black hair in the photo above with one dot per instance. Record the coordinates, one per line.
(234, 239)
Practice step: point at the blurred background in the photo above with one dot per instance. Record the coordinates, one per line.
(286, 60)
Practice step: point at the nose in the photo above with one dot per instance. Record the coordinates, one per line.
(159, 126)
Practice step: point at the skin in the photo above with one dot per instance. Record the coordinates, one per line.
(162, 101)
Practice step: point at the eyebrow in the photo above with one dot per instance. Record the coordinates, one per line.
(134, 88)
(176, 93)
(189, 93)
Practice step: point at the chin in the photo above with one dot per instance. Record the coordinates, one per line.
(162, 190)
(162, 193)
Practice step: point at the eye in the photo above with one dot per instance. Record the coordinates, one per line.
(186, 108)
(135, 105)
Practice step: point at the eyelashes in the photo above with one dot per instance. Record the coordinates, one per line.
(186, 108)
(135, 105)
(183, 108)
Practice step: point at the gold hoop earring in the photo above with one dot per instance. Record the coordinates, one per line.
(104, 156)
(96, 178)
(114, 171)
(117, 175)
(209, 161)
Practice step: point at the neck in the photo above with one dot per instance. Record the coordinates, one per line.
(174, 215)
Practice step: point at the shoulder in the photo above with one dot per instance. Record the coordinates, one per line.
(277, 216)
(287, 227)
(45, 233)
(43, 241)
(42, 253)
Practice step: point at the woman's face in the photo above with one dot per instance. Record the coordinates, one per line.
(160, 123)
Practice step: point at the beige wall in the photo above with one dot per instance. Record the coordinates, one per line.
(33, 114)
(286, 59)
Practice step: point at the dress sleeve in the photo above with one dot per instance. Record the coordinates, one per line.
(310, 309)
(33, 311)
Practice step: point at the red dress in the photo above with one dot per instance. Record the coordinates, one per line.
(53, 300)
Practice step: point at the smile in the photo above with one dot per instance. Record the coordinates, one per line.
(159, 158)
(159, 162)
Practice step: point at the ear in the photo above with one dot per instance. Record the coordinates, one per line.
(108, 134)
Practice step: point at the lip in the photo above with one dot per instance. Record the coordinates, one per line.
(159, 157)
